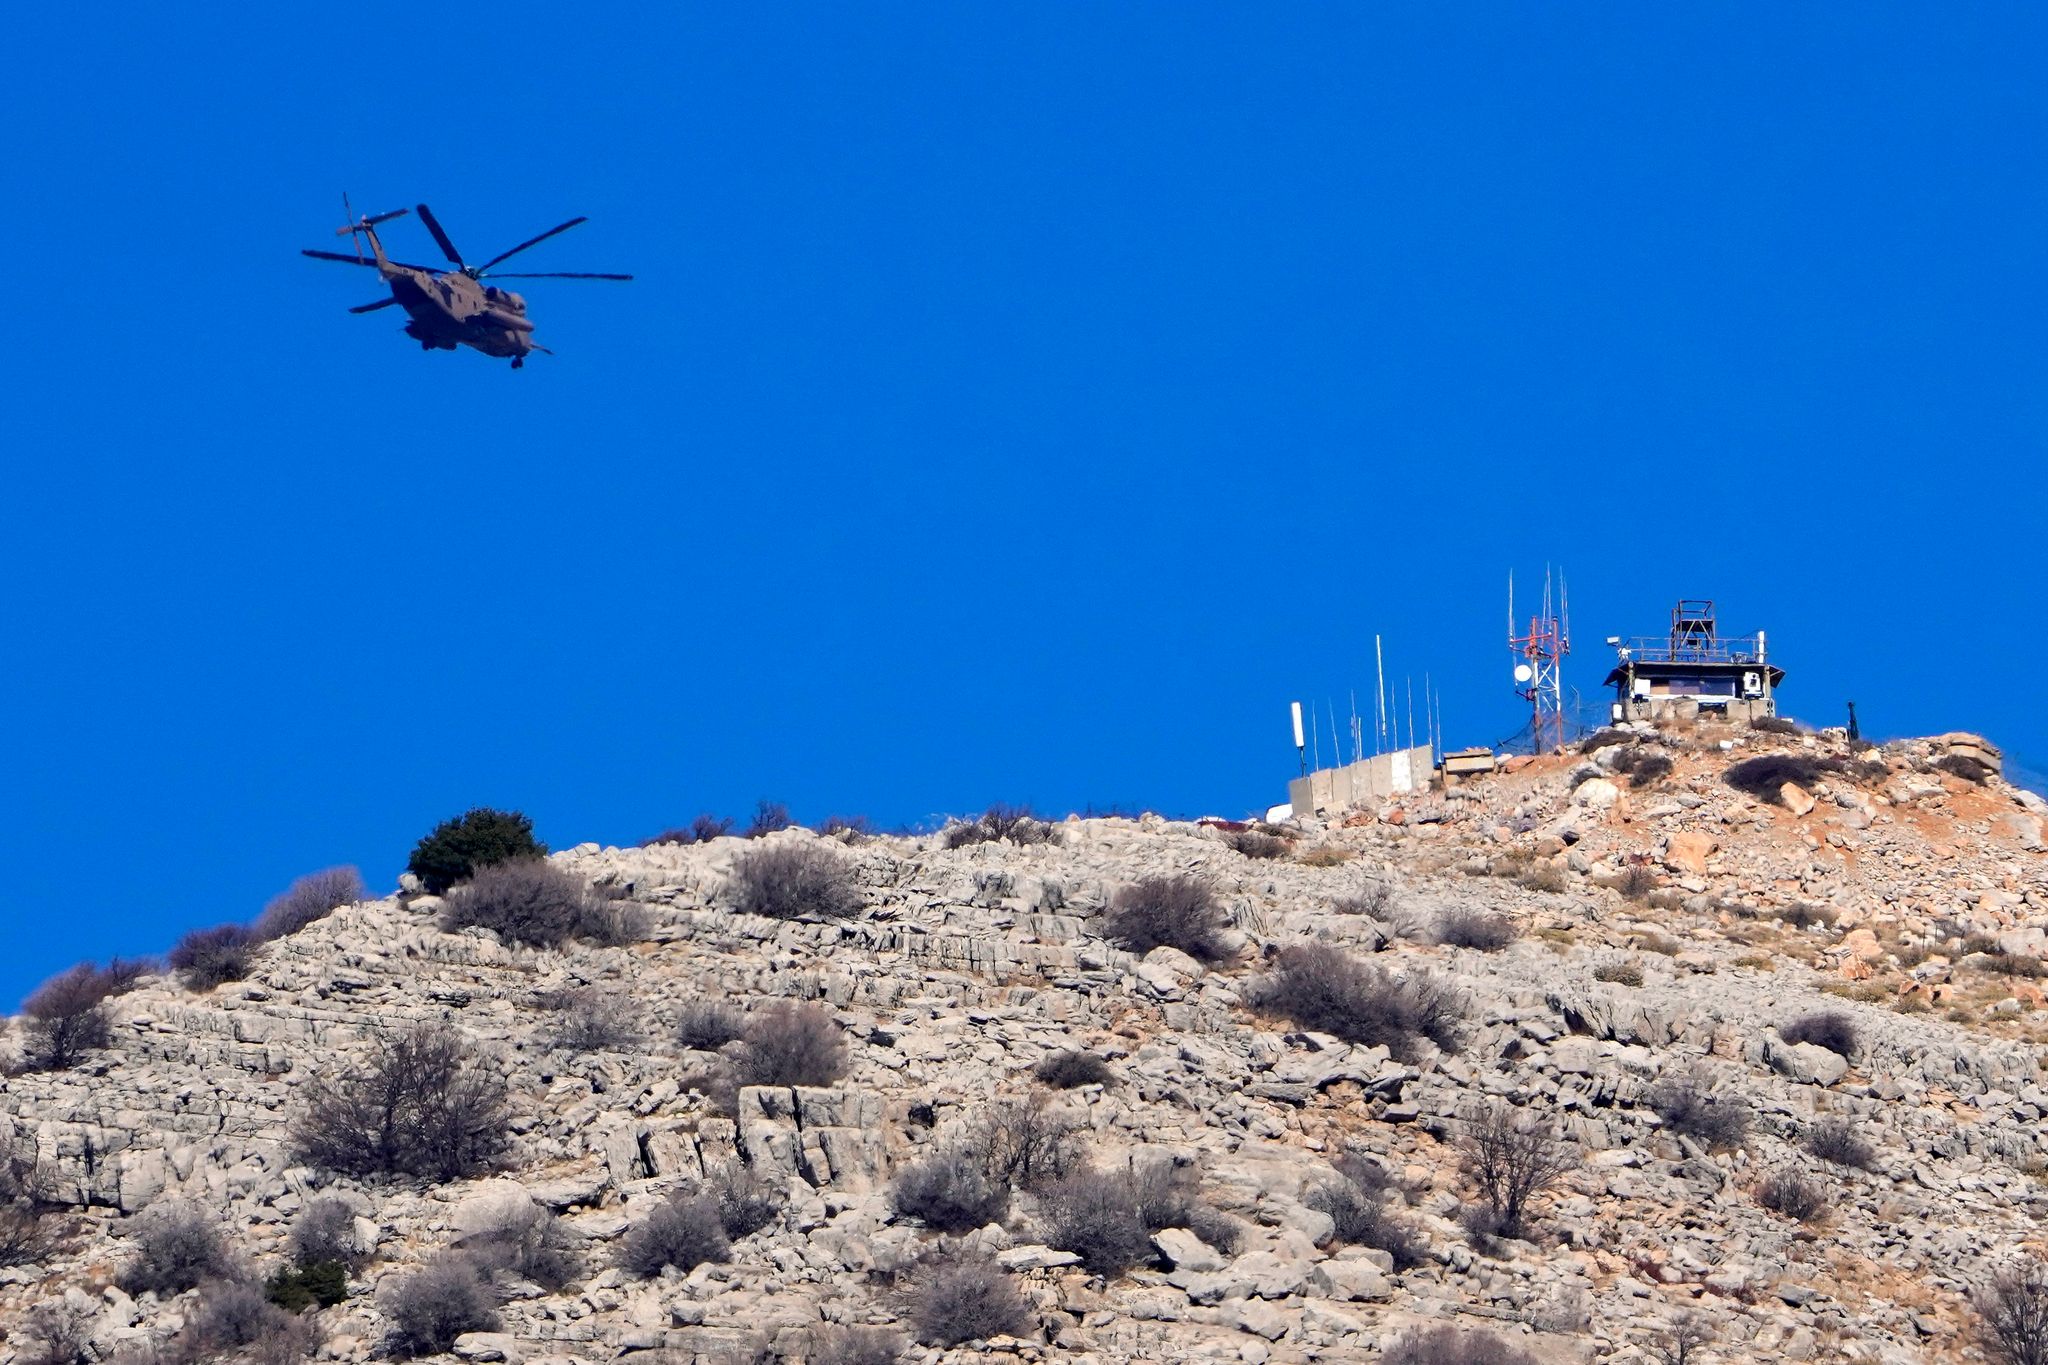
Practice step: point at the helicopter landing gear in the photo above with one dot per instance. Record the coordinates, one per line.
(518, 362)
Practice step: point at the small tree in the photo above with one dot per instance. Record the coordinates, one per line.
(456, 848)
(770, 817)
(2014, 1313)
(1684, 1341)
(1026, 1142)
(67, 1018)
(1513, 1159)
(421, 1105)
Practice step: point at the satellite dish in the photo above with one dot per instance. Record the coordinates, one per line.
(1523, 673)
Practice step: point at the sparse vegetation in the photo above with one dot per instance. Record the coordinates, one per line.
(961, 1297)
(1965, 767)
(205, 958)
(848, 829)
(1373, 901)
(66, 1018)
(1324, 988)
(702, 830)
(1256, 844)
(709, 1025)
(1604, 739)
(794, 881)
(1326, 855)
(1026, 1142)
(1690, 1104)
(55, 1333)
(1762, 777)
(177, 1247)
(312, 897)
(1169, 912)
(1513, 1158)
(1683, 1341)
(1070, 1070)
(324, 1232)
(421, 1105)
(1793, 1193)
(1831, 1029)
(457, 849)
(1544, 876)
(524, 1241)
(2013, 1314)
(1773, 725)
(1835, 1140)
(770, 817)
(834, 1345)
(591, 1020)
(790, 1044)
(524, 900)
(1638, 880)
(684, 1233)
(1357, 1197)
(434, 1305)
(952, 1191)
(1479, 929)
(296, 1288)
(1620, 973)
(1450, 1346)
(1018, 825)
(1644, 767)
(746, 1203)
(1095, 1215)
(232, 1316)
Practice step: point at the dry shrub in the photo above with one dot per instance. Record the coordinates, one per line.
(1620, 973)
(1325, 989)
(591, 1020)
(1513, 1158)
(1018, 825)
(832, 1345)
(1327, 855)
(684, 1233)
(1450, 1346)
(1965, 767)
(325, 1232)
(205, 958)
(1070, 1070)
(2013, 1314)
(527, 900)
(1835, 1140)
(960, 1297)
(746, 1203)
(951, 1190)
(1357, 1197)
(1256, 844)
(1691, 1104)
(235, 1316)
(609, 920)
(770, 817)
(1544, 876)
(1773, 725)
(1637, 881)
(435, 1304)
(1645, 767)
(177, 1246)
(1805, 915)
(310, 898)
(66, 1019)
(793, 881)
(1480, 929)
(1603, 739)
(709, 1025)
(1794, 1194)
(524, 1240)
(1762, 776)
(848, 829)
(420, 1105)
(1168, 912)
(55, 1333)
(702, 830)
(1373, 902)
(1831, 1029)
(1095, 1215)
(790, 1044)
(1026, 1142)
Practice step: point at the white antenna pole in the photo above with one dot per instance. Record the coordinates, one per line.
(1336, 749)
(1411, 710)
(1380, 662)
(1314, 737)
(1357, 740)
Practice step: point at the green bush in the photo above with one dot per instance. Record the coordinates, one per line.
(477, 838)
(297, 1288)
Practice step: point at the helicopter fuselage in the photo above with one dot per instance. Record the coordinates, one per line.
(451, 310)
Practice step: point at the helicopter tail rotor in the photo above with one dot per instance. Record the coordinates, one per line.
(357, 226)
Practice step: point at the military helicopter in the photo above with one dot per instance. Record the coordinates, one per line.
(452, 308)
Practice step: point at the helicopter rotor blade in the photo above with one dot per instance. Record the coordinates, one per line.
(351, 260)
(562, 275)
(478, 271)
(447, 247)
(373, 307)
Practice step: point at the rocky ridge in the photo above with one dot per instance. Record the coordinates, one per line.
(1904, 895)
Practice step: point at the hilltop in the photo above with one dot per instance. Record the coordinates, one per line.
(1773, 1000)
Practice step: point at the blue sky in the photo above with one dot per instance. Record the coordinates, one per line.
(1017, 402)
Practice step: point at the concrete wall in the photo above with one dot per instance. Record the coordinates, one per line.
(1360, 784)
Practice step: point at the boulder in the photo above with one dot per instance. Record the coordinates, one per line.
(1688, 852)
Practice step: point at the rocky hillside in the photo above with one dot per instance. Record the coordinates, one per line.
(1669, 939)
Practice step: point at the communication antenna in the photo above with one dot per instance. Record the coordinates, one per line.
(1300, 748)
(1380, 662)
(1540, 652)
(1314, 737)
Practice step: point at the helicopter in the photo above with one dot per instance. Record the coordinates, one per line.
(450, 308)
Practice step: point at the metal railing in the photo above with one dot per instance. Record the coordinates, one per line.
(1655, 649)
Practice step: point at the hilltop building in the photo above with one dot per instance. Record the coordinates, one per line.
(1695, 671)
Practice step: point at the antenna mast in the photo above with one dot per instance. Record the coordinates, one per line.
(1539, 671)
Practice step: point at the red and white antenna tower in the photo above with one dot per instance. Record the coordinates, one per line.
(1539, 669)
